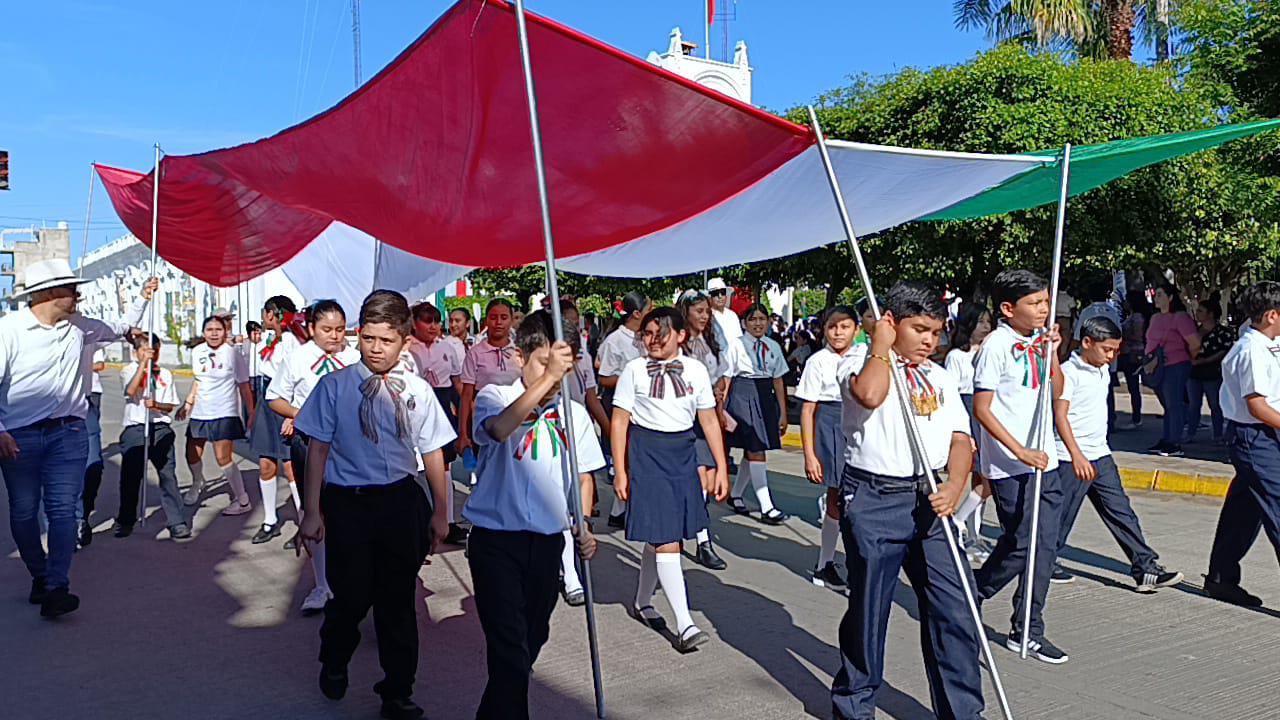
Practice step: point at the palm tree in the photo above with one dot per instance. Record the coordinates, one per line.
(1090, 28)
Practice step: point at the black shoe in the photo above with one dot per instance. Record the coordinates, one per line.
(457, 535)
(39, 591)
(58, 602)
(617, 521)
(1171, 450)
(181, 531)
(829, 577)
(400, 709)
(1041, 649)
(266, 533)
(574, 598)
(122, 530)
(291, 543)
(773, 517)
(86, 533)
(1158, 447)
(653, 622)
(1227, 593)
(1060, 576)
(1154, 579)
(707, 557)
(333, 682)
(690, 639)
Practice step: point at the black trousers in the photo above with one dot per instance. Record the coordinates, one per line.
(376, 538)
(1253, 500)
(516, 576)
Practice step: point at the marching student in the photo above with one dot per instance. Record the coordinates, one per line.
(891, 522)
(619, 348)
(703, 343)
(266, 437)
(519, 509)
(656, 403)
(822, 436)
(757, 402)
(440, 363)
(1087, 467)
(325, 353)
(367, 426)
(221, 386)
(460, 329)
(490, 361)
(1251, 403)
(1006, 401)
(145, 371)
(972, 326)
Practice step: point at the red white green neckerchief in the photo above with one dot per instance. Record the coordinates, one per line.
(326, 364)
(924, 396)
(1030, 354)
(544, 424)
(761, 357)
(288, 323)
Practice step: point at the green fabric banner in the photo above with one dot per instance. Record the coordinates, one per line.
(1092, 166)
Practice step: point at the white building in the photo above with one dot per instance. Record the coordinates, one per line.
(732, 79)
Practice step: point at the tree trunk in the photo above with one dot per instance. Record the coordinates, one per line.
(1162, 30)
(1120, 19)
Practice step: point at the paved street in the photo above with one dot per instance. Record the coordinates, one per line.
(210, 629)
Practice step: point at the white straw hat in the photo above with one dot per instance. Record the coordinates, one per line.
(49, 274)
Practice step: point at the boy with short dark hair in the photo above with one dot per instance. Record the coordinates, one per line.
(1251, 403)
(519, 509)
(1087, 466)
(1013, 432)
(891, 522)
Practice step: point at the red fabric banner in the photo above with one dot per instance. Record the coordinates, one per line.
(434, 156)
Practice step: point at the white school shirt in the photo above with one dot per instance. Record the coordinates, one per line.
(619, 348)
(42, 367)
(878, 440)
(437, 363)
(1251, 367)
(1086, 388)
(300, 374)
(729, 323)
(584, 376)
(818, 382)
(717, 367)
(272, 357)
(166, 393)
(750, 357)
(524, 487)
(1005, 370)
(667, 413)
(95, 378)
(332, 415)
(220, 373)
(960, 364)
(487, 365)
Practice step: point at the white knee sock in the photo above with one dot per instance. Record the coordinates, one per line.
(830, 531)
(671, 576)
(740, 482)
(704, 535)
(567, 564)
(619, 507)
(232, 474)
(648, 581)
(448, 497)
(317, 566)
(297, 500)
(268, 488)
(197, 474)
(971, 502)
(760, 482)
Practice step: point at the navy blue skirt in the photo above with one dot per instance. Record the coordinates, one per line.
(264, 439)
(666, 503)
(448, 398)
(754, 406)
(829, 442)
(227, 428)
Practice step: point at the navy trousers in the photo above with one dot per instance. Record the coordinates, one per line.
(888, 526)
(1109, 499)
(1253, 500)
(1013, 496)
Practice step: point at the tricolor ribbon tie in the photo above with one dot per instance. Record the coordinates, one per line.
(659, 372)
(1031, 355)
(269, 349)
(326, 364)
(548, 422)
(924, 396)
(762, 356)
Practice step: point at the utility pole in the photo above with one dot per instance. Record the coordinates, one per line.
(355, 34)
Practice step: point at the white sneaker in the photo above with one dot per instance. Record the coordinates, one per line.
(238, 507)
(315, 600)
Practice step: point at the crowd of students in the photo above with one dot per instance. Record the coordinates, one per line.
(915, 420)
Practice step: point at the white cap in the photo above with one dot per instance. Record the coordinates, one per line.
(716, 283)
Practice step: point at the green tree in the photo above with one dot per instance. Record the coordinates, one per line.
(1092, 28)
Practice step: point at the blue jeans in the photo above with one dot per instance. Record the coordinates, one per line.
(1173, 396)
(49, 468)
(1197, 392)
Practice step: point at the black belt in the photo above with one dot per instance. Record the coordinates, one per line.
(889, 484)
(368, 489)
(53, 422)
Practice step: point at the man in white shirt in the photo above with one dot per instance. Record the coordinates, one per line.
(44, 442)
(1251, 403)
(726, 319)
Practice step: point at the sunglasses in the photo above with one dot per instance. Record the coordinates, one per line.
(718, 293)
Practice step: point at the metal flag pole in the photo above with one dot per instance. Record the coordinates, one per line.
(566, 417)
(1044, 409)
(913, 431)
(149, 391)
(88, 215)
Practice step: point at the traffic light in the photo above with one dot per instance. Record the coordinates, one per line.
(4, 169)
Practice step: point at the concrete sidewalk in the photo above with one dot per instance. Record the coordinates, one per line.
(210, 629)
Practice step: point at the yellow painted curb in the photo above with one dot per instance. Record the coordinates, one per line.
(1137, 479)
(792, 439)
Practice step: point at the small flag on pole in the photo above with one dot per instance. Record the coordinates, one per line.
(4, 169)
(711, 11)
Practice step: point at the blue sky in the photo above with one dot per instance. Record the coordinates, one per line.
(103, 80)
